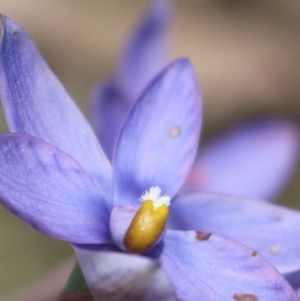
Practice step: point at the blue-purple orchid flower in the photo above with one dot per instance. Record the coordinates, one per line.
(55, 176)
(255, 160)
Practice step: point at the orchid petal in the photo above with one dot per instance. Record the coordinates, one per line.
(109, 107)
(207, 267)
(159, 139)
(270, 230)
(146, 54)
(36, 103)
(254, 161)
(113, 276)
(49, 190)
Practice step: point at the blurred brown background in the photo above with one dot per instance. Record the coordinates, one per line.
(246, 54)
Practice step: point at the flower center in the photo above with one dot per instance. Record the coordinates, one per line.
(149, 222)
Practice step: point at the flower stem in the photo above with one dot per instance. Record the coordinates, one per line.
(76, 288)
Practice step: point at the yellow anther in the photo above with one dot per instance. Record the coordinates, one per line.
(148, 223)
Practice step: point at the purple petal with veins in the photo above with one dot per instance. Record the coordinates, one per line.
(159, 139)
(49, 190)
(206, 267)
(269, 229)
(36, 103)
(255, 160)
(118, 276)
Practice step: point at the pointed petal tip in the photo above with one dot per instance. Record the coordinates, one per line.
(188, 79)
(182, 66)
(183, 62)
(8, 23)
(11, 30)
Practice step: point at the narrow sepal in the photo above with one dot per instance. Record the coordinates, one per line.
(36, 103)
(255, 160)
(159, 139)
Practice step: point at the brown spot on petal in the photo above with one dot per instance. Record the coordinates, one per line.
(15, 33)
(274, 250)
(202, 236)
(245, 297)
(175, 131)
(254, 253)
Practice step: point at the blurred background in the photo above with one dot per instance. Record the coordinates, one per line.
(246, 54)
